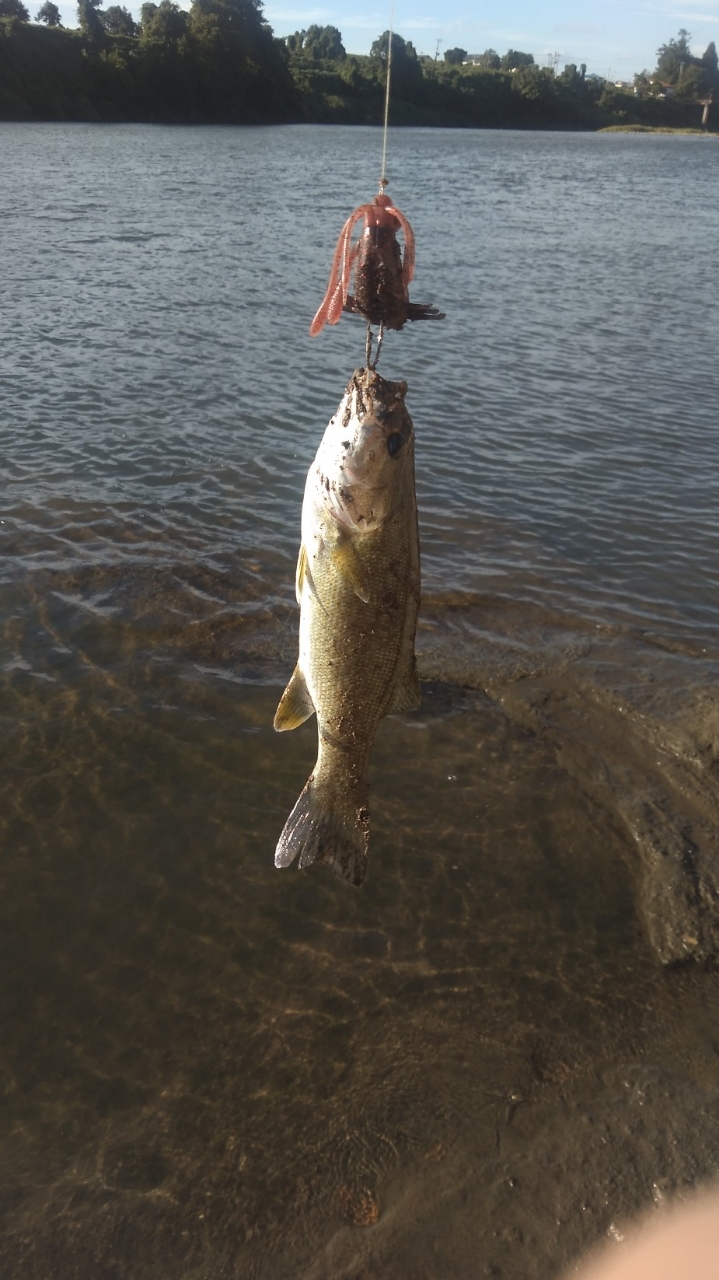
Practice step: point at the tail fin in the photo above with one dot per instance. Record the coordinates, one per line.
(329, 827)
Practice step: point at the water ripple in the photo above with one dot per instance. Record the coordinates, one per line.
(159, 372)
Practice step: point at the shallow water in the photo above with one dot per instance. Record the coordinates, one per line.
(212, 1069)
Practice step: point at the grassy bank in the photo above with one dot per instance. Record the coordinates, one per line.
(647, 128)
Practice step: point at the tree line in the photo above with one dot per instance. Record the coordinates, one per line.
(220, 62)
(217, 62)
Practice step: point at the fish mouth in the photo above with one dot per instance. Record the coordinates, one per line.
(380, 404)
(377, 397)
(381, 392)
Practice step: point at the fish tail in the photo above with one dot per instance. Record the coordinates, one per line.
(328, 825)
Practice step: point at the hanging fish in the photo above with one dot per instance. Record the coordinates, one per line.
(381, 274)
(358, 588)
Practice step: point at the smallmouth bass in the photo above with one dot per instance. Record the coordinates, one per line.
(358, 588)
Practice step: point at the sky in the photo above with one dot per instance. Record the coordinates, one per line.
(615, 38)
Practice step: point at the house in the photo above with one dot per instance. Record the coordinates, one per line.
(662, 88)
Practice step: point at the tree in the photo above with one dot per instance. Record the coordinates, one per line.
(407, 75)
(513, 58)
(49, 14)
(119, 22)
(240, 72)
(14, 9)
(324, 42)
(234, 34)
(535, 83)
(693, 83)
(408, 81)
(89, 20)
(239, 16)
(710, 60)
(671, 57)
(455, 57)
(403, 51)
(351, 73)
(164, 23)
(489, 60)
(570, 75)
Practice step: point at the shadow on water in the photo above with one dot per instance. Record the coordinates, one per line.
(211, 1068)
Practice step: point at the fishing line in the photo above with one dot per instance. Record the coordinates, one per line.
(383, 179)
(383, 182)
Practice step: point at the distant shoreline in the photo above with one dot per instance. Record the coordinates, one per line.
(353, 124)
(199, 67)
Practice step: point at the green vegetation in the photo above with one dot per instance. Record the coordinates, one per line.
(220, 62)
(49, 13)
(681, 75)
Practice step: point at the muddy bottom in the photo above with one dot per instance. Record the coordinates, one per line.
(476, 1065)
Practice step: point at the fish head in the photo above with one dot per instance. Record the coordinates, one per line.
(366, 459)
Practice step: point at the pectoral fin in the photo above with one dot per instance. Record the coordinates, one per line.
(304, 575)
(348, 563)
(408, 695)
(300, 574)
(295, 705)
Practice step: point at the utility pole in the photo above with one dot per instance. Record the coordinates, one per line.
(553, 62)
(436, 52)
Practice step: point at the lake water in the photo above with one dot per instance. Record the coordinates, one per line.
(211, 1069)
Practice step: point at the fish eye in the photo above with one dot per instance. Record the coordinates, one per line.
(394, 444)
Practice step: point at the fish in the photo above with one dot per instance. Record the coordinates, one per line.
(358, 588)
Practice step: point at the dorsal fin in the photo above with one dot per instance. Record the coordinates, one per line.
(408, 695)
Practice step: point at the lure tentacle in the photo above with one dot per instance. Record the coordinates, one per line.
(409, 245)
(330, 308)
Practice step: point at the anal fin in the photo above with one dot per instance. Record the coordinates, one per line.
(408, 696)
(295, 705)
